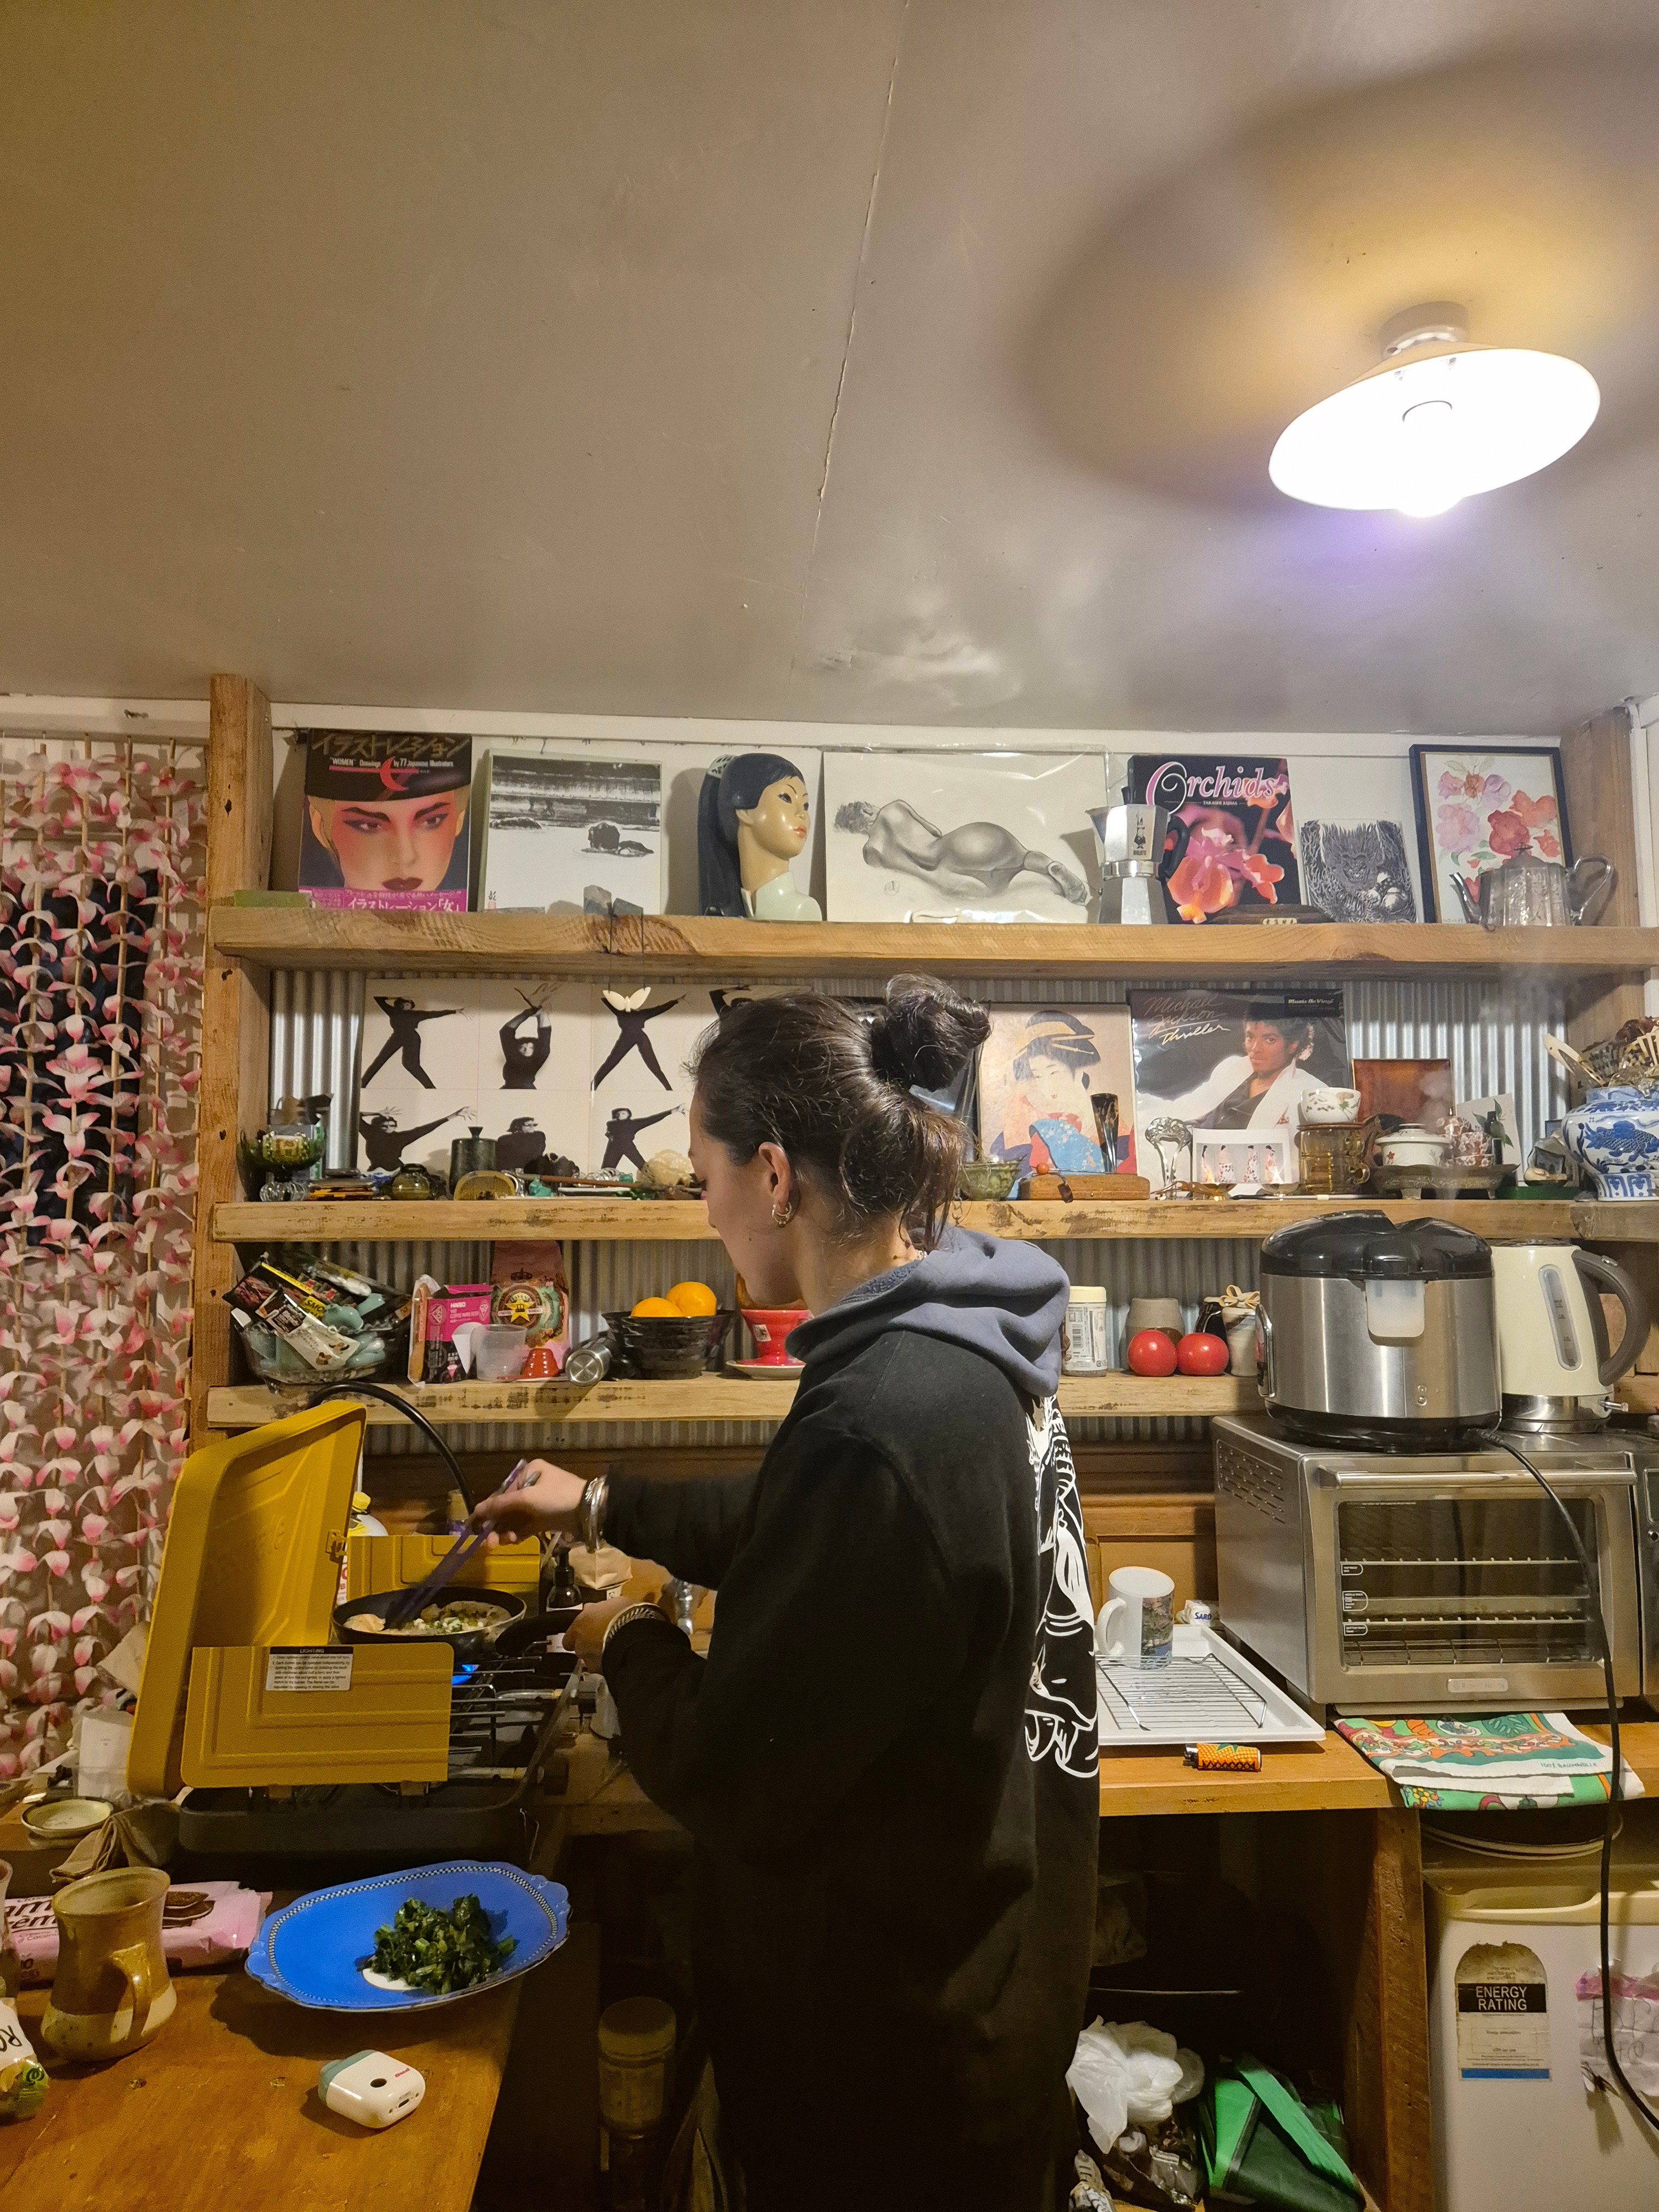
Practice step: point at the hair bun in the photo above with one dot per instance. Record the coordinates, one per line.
(924, 1033)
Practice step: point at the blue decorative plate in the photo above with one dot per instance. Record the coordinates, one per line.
(313, 1950)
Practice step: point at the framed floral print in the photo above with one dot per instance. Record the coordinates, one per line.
(1477, 806)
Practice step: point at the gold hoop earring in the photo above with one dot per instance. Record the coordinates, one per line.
(783, 1215)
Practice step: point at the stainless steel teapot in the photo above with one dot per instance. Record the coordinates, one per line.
(1525, 892)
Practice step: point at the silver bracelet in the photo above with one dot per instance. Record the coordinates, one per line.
(591, 1512)
(629, 1613)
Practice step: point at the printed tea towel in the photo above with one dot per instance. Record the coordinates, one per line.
(1487, 1762)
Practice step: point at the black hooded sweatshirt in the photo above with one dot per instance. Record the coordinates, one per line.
(888, 1760)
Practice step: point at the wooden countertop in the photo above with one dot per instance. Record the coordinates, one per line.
(602, 1795)
(1329, 1777)
(221, 2109)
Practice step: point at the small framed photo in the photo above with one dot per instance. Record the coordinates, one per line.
(1477, 806)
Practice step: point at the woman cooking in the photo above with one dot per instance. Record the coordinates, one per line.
(888, 1759)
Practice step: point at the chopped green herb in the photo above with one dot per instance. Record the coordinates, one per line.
(439, 1952)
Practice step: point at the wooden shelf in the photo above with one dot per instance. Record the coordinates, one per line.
(1631, 1221)
(686, 944)
(709, 1397)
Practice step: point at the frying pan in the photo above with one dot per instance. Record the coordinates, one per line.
(472, 1645)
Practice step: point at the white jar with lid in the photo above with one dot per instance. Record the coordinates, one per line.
(1088, 1316)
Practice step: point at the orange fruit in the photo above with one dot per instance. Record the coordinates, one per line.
(655, 1310)
(692, 1299)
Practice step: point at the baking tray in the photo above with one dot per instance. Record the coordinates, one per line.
(1220, 1698)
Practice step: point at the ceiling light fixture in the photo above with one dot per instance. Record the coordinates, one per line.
(1437, 422)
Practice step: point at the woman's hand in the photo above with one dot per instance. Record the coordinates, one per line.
(545, 1502)
(585, 1634)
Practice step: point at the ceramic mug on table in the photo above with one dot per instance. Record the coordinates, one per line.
(1136, 1627)
(1154, 1313)
(110, 1992)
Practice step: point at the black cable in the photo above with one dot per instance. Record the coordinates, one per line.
(1610, 1828)
(356, 1389)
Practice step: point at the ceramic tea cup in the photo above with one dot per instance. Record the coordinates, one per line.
(1324, 1108)
(110, 1992)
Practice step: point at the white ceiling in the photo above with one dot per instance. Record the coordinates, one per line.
(894, 361)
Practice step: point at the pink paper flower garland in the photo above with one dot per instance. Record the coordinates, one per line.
(102, 860)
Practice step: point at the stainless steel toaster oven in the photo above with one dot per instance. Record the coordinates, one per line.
(1383, 1582)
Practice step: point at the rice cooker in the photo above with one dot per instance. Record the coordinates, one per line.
(1379, 1333)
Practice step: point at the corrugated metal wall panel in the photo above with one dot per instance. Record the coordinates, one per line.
(1493, 1038)
(316, 1021)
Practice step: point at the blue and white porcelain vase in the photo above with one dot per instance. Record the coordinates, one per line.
(1614, 1137)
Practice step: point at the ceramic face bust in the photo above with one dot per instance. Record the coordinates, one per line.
(753, 820)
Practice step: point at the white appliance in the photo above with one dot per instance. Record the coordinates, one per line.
(1513, 2048)
(1553, 1364)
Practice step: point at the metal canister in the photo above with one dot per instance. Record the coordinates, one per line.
(592, 1362)
(469, 1154)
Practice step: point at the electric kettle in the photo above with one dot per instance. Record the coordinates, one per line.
(1553, 1364)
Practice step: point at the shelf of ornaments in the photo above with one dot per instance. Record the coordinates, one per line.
(674, 1221)
(706, 1398)
(689, 945)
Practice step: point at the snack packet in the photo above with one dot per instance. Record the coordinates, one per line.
(22, 2077)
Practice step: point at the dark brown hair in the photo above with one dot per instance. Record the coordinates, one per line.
(832, 1087)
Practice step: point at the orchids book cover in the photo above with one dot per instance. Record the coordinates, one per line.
(1231, 841)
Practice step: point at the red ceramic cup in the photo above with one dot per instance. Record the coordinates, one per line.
(769, 1326)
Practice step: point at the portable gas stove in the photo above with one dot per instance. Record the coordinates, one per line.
(288, 1745)
(505, 1715)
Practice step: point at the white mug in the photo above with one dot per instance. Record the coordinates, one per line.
(1136, 1627)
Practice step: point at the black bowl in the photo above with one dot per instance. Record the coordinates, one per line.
(473, 1643)
(664, 1347)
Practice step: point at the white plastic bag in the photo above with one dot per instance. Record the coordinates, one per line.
(1130, 2075)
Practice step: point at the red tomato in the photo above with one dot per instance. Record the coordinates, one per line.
(1152, 1352)
(1201, 1355)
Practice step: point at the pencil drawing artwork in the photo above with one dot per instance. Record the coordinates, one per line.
(974, 859)
(1358, 870)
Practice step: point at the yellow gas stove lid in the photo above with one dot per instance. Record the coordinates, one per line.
(252, 1557)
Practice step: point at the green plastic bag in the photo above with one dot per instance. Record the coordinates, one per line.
(1260, 2141)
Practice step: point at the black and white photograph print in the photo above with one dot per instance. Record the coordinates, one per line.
(510, 1058)
(633, 1014)
(417, 1037)
(1358, 870)
(392, 1137)
(960, 837)
(556, 829)
(405, 1019)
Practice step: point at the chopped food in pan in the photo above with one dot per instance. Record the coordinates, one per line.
(458, 1618)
